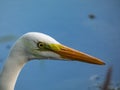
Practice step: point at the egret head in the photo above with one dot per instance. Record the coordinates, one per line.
(41, 46)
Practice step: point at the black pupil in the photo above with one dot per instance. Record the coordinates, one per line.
(40, 44)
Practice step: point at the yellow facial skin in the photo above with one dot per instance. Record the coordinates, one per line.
(71, 54)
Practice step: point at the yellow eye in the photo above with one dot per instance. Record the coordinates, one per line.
(40, 44)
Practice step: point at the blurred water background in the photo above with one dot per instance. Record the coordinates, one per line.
(92, 26)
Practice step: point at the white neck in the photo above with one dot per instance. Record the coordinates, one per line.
(11, 70)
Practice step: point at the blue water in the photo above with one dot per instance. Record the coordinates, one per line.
(68, 22)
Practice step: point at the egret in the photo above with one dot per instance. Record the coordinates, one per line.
(34, 45)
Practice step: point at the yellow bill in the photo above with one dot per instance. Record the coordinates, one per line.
(71, 54)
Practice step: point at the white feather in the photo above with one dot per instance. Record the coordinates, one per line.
(21, 51)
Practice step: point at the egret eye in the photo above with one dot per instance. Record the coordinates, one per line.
(40, 44)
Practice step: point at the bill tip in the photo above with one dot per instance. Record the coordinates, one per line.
(103, 63)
